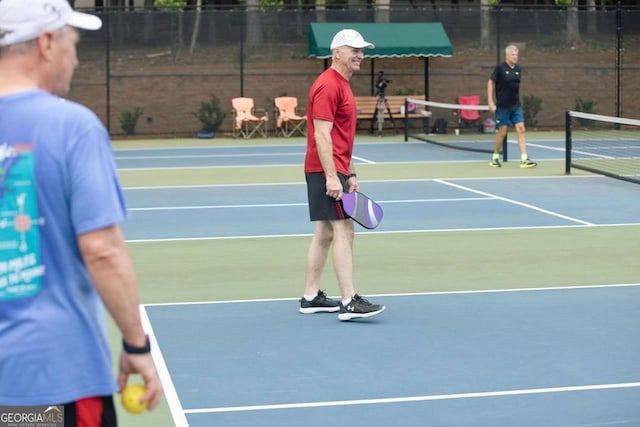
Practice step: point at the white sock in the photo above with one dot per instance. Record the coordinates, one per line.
(309, 297)
(346, 302)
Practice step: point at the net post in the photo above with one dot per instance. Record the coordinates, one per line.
(505, 157)
(618, 61)
(567, 143)
(406, 120)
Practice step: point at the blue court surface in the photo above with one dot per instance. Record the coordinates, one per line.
(409, 206)
(519, 357)
(526, 358)
(293, 155)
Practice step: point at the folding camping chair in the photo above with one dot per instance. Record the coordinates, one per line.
(469, 118)
(245, 121)
(288, 121)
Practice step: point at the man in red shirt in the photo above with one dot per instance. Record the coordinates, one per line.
(329, 171)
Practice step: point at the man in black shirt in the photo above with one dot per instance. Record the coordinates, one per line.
(505, 82)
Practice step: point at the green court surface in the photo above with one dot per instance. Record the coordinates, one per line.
(384, 263)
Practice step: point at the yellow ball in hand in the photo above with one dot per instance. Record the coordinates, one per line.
(131, 398)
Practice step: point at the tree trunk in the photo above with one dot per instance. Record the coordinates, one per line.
(486, 37)
(300, 28)
(178, 51)
(321, 11)
(147, 22)
(382, 10)
(196, 27)
(592, 24)
(572, 28)
(254, 27)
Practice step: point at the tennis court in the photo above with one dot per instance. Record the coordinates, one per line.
(511, 294)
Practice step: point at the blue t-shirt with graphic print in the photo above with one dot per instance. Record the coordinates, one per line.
(57, 181)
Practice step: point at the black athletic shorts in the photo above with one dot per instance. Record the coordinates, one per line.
(321, 206)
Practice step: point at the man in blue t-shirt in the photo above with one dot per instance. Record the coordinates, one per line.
(62, 253)
(505, 82)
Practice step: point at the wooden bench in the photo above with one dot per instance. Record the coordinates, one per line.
(367, 109)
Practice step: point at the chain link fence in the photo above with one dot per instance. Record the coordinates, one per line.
(164, 64)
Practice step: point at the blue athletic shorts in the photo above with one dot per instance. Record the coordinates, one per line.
(509, 116)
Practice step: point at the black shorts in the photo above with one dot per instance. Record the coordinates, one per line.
(321, 206)
(93, 411)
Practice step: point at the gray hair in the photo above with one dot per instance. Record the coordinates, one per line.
(17, 48)
(23, 47)
(510, 48)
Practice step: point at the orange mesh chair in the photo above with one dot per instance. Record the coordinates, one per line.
(288, 121)
(469, 118)
(245, 121)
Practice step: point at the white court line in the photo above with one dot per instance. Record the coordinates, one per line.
(286, 205)
(526, 205)
(171, 187)
(200, 156)
(412, 294)
(546, 147)
(179, 413)
(378, 233)
(184, 208)
(473, 395)
(301, 183)
(170, 393)
(362, 159)
(210, 167)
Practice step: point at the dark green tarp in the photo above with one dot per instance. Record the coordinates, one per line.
(395, 39)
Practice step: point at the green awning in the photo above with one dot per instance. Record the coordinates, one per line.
(391, 39)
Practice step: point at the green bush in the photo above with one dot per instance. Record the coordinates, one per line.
(585, 106)
(210, 115)
(531, 106)
(129, 120)
(168, 5)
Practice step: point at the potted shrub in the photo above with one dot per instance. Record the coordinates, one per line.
(211, 116)
(129, 120)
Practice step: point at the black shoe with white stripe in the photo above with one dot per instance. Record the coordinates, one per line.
(359, 308)
(320, 304)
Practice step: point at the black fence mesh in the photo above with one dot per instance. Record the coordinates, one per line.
(169, 62)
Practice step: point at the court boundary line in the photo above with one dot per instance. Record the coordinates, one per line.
(169, 389)
(278, 205)
(374, 233)
(515, 202)
(409, 294)
(454, 396)
(179, 414)
(484, 178)
(302, 144)
(209, 156)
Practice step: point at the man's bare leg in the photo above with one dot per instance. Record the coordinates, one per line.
(317, 256)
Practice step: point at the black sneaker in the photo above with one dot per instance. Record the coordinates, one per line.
(359, 308)
(495, 163)
(320, 304)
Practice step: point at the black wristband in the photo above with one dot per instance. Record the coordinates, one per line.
(131, 349)
(353, 175)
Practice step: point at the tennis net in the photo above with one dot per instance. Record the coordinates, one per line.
(458, 126)
(603, 144)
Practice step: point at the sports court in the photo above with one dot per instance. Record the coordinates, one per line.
(511, 294)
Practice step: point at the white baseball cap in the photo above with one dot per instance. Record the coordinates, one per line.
(24, 20)
(350, 38)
